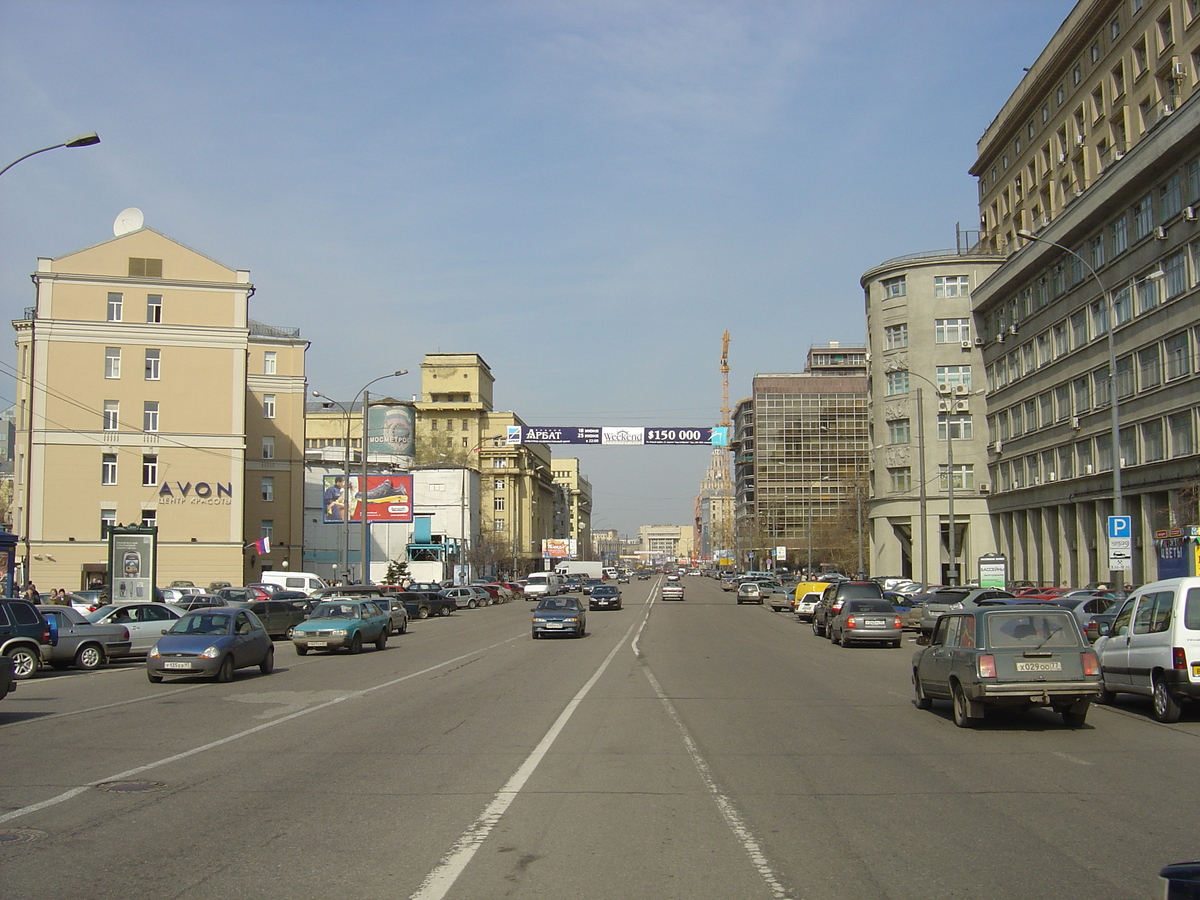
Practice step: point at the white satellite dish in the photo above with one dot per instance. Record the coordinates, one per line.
(128, 220)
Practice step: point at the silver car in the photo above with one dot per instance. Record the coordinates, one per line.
(941, 602)
(866, 621)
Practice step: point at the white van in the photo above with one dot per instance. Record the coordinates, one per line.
(1152, 647)
(293, 581)
(544, 584)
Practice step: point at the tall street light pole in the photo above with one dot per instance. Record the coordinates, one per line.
(82, 140)
(365, 550)
(344, 549)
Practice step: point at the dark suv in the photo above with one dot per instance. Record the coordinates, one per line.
(835, 595)
(25, 636)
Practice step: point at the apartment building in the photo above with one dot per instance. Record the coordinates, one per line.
(927, 425)
(577, 491)
(1096, 157)
(147, 396)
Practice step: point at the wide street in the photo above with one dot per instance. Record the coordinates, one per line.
(680, 750)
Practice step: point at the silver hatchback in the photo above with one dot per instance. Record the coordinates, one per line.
(866, 621)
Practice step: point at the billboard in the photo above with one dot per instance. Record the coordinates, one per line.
(132, 563)
(391, 430)
(388, 498)
(556, 548)
(617, 435)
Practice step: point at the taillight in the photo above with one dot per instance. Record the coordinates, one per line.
(987, 666)
(850, 623)
(1091, 665)
(125, 635)
(1178, 658)
(897, 624)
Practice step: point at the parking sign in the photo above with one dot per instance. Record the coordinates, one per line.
(1120, 543)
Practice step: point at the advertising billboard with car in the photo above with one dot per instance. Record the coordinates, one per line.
(388, 498)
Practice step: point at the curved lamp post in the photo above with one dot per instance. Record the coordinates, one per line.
(344, 548)
(365, 550)
(82, 140)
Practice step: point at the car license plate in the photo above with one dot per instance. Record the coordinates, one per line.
(1039, 666)
(1196, 670)
(874, 623)
(318, 643)
(177, 665)
(554, 625)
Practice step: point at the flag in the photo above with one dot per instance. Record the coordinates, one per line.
(262, 546)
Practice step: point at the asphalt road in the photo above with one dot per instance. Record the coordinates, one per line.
(679, 750)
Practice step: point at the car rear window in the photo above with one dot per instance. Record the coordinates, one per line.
(868, 590)
(1024, 630)
(870, 606)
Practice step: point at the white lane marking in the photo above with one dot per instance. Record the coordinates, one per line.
(442, 878)
(733, 818)
(1070, 759)
(129, 773)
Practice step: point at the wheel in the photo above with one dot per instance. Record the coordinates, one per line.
(422, 612)
(290, 632)
(356, 643)
(381, 643)
(471, 604)
(225, 673)
(89, 656)
(923, 702)
(445, 611)
(301, 651)
(962, 710)
(816, 630)
(1107, 697)
(536, 635)
(843, 640)
(25, 662)
(1166, 708)
(1073, 719)
(404, 628)
(267, 666)
(739, 601)
(153, 677)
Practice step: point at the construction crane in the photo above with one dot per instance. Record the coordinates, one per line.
(725, 411)
(725, 529)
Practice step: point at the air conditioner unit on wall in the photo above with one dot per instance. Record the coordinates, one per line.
(985, 488)
(961, 390)
(1189, 214)
(1000, 338)
(978, 342)
(967, 345)
(945, 389)
(962, 406)
(945, 406)
(1050, 476)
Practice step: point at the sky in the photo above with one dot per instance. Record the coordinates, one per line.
(586, 193)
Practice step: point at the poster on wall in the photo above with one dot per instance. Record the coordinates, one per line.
(390, 432)
(388, 498)
(132, 562)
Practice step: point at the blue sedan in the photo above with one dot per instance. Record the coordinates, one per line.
(211, 642)
(342, 624)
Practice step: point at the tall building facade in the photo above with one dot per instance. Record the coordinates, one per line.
(926, 416)
(1096, 156)
(800, 461)
(714, 510)
(577, 491)
(146, 395)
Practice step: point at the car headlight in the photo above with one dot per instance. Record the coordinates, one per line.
(338, 632)
(572, 619)
(154, 651)
(539, 621)
(211, 652)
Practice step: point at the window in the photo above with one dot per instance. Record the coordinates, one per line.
(1153, 447)
(115, 302)
(268, 447)
(1139, 58)
(498, 484)
(959, 428)
(1125, 377)
(897, 383)
(268, 406)
(1048, 464)
(268, 488)
(964, 477)
(1066, 462)
(1166, 36)
(895, 337)
(154, 308)
(150, 415)
(1149, 368)
(500, 462)
(1082, 396)
(267, 528)
(1046, 408)
(498, 504)
(1079, 329)
(108, 518)
(898, 431)
(1031, 414)
(269, 362)
(152, 365)
(466, 424)
(894, 287)
(1120, 235)
(1170, 197)
(1061, 346)
(1101, 389)
(1118, 80)
(1062, 397)
(1123, 305)
(1044, 355)
(1174, 281)
(900, 479)
(951, 285)
(108, 469)
(112, 417)
(112, 362)
(954, 375)
(1143, 217)
(1178, 359)
(497, 524)
(951, 331)
(149, 518)
(145, 268)
(1180, 428)
(1017, 417)
(149, 469)
(1147, 294)
(1129, 447)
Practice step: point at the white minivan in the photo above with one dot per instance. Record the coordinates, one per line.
(1152, 647)
(293, 581)
(544, 584)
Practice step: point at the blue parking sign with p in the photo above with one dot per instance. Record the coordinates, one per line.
(1120, 526)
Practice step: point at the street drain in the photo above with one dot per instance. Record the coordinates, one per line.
(131, 787)
(20, 835)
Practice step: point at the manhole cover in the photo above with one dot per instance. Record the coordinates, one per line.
(20, 835)
(131, 787)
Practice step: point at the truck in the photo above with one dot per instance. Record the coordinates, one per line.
(581, 567)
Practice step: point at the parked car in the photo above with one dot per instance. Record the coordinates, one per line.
(146, 622)
(397, 612)
(1152, 647)
(279, 617)
(866, 621)
(82, 644)
(605, 596)
(559, 615)
(751, 592)
(672, 591)
(942, 601)
(423, 604)
(26, 636)
(908, 607)
(242, 594)
(8, 681)
(805, 604)
(213, 643)
(1015, 656)
(834, 595)
(1094, 625)
(200, 601)
(87, 601)
(1084, 606)
(342, 624)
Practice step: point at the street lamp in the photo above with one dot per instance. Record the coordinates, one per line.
(82, 140)
(344, 549)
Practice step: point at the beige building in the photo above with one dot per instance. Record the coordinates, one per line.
(1097, 154)
(667, 543)
(578, 492)
(145, 395)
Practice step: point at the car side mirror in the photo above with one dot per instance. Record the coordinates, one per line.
(164, 631)
(923, 640)
(1104, 628)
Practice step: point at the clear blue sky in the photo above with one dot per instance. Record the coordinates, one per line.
(585, 193)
